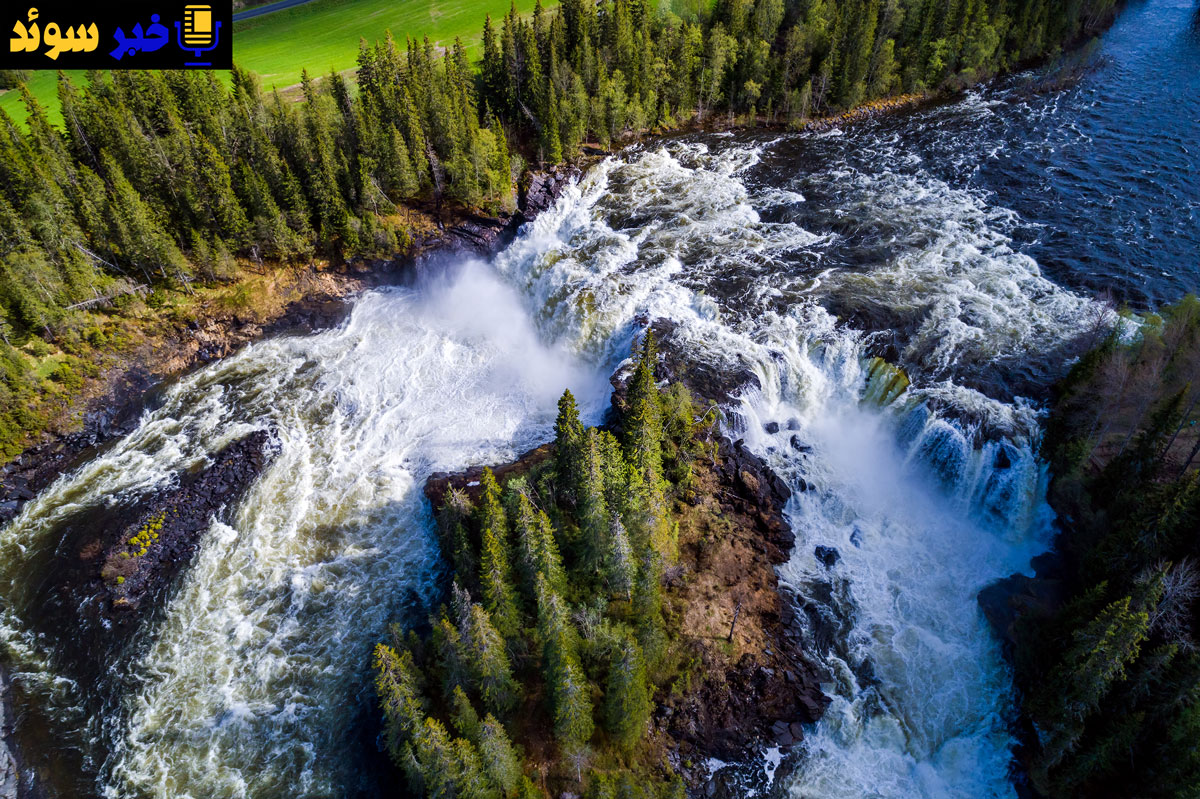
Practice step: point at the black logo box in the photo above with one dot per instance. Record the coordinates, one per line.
(203, 51)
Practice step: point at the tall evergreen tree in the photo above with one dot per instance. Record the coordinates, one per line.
(627, 696)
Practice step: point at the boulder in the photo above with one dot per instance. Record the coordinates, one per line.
(1006, 600)
(827, 556)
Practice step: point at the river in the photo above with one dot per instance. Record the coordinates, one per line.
(970, 243)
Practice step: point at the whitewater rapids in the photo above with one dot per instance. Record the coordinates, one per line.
(252, 681)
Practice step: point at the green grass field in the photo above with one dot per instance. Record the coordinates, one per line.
(322, 36)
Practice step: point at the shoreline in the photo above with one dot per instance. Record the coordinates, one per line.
(312, 298)
(308, 299)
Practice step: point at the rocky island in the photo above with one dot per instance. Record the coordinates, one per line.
(614, 615)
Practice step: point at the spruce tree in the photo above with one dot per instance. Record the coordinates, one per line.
(397, 686)
(499, 758)
(466, 720)
(1102, 650)
(570, 702)
(568, 446)
(489, 662)
(496, 579)
(452, 658)
(592, 502)
(627, 696)
(539, 549)
(647, 607)
(621, 569)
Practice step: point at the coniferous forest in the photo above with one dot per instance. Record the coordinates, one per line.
(158, 182)
(1110, 670)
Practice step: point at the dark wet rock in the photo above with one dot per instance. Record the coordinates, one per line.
(759, 494)
(793, 423)
(709, 382)
(1049, 565)
(543, 190)
(1019, 596)
(856, 537)
(812, 705)
(799, 445)
(171, 524)
(468, 481)
(470, 234)
(827, 556)
(84, 607)
(1003, 461)
(771, 427)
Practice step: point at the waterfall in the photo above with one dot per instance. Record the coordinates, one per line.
(251, 681)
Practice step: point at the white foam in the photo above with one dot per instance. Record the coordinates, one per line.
(244, 689)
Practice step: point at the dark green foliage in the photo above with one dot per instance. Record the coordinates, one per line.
(494, 573)
(1112, 679)
(627, 699)
(588, 636)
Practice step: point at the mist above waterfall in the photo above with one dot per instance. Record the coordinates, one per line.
(252, 681)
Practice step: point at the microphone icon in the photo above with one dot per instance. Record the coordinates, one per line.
(197, 32)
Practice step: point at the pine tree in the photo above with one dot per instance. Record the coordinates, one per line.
(466, 720)
(627, 696)
(485, 650)
(499, 758)
(568, 445)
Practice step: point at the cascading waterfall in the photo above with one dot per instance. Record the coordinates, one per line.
(922, 509)
(246, 686)
(249, 685)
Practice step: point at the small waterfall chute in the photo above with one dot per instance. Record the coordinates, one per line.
(885, 383)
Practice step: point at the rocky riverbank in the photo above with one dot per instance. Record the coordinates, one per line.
(304, 300)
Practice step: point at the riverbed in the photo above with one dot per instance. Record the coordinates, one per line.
(975, 244)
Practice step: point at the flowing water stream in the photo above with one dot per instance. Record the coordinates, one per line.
(794, 258)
